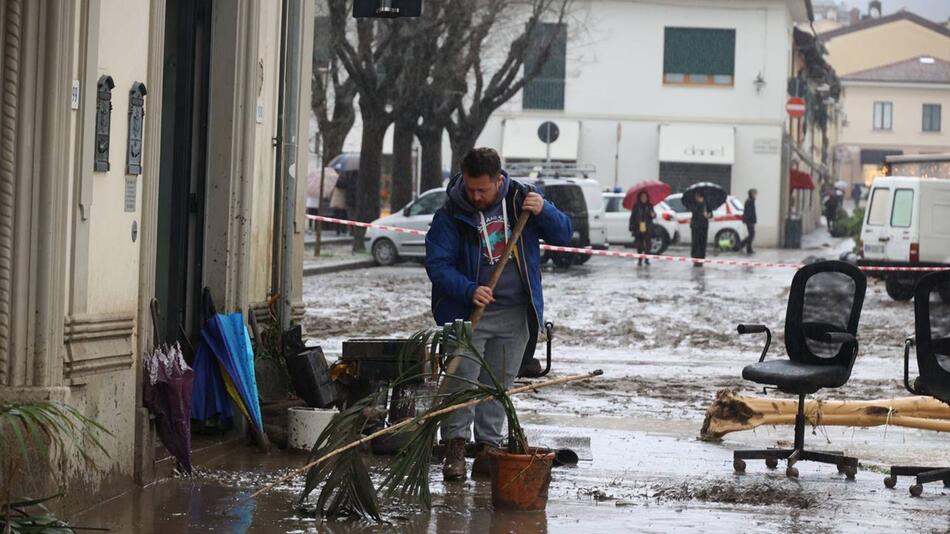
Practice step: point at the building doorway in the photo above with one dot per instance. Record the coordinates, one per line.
(183, 170)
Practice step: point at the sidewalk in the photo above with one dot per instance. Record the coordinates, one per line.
(334, 257)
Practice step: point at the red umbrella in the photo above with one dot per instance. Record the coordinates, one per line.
(656, 190)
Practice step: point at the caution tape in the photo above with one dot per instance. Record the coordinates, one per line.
(630, 255)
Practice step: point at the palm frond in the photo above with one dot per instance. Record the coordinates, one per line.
(34, 428)
(348, 488)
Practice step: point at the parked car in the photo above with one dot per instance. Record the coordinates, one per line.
(906, 224)
(388, 246)
(665, 231)
(726, 229)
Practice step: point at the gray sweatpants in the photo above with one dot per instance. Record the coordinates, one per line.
(501, 337)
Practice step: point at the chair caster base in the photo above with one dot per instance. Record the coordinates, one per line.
(916, 490)
(738, 465)
(890, 482)
(791, 472)
(771, 463)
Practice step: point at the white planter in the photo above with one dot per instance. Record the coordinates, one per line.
(304, 426)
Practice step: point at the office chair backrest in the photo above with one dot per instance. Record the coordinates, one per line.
(932, 318)
(825, 297)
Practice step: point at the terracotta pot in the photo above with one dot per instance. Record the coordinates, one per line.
(520, 481)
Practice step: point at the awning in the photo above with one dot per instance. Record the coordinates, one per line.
(698, 143)
(521, 139)
(800, 180)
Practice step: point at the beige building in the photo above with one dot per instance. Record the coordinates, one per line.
(103, 209)
(895, 77)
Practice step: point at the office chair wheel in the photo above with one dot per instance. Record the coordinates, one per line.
(916, 490)
(946, 483)
(890, 482)
(738, 465)
(791, 472)
(849, 471)
(841, 467)
(771, 463)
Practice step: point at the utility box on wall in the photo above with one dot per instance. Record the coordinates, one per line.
(103, 121)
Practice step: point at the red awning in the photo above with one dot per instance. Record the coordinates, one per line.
(800, 180)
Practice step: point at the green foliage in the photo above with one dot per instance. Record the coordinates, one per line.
(348, 489)
(29, 433)
(849, 225)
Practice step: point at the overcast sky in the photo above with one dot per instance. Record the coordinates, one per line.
(936, 10)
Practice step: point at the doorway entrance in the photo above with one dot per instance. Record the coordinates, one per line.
(183, 170)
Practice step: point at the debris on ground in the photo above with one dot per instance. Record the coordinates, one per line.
(722, 491)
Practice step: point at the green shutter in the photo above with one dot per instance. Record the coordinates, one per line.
(699, 51)
(546, 90)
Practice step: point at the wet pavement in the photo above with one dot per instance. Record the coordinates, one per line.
(665, 337)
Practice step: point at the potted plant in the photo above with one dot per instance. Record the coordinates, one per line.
(521, 474)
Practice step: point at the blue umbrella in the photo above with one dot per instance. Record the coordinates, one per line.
(209, 398)
(227, 339)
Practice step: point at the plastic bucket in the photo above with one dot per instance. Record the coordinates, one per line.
(304, 425)
(520, 481)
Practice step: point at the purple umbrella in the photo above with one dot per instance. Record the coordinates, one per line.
(167, 395)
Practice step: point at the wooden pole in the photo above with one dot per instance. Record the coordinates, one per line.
(732, 413)
(430, 415)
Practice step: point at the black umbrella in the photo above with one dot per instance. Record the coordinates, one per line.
(346, 162)
(167, 395)
(714, 195)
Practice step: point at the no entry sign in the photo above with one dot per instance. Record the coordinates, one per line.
(795, 106)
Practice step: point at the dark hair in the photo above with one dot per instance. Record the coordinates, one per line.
(481, 161)
(753, 191)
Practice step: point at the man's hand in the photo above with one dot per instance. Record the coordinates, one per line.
(483, 297)
(533, 203)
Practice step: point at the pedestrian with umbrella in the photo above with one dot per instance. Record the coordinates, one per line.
(701, 199)
(641, 226)
(640, 200)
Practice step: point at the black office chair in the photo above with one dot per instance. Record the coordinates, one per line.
(932, 332)
(821, 324)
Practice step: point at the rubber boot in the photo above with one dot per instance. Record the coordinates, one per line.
(454, 466)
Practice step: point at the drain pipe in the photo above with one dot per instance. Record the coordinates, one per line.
(276, 143)
(291, 126)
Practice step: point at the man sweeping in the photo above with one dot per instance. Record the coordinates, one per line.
(464, 245)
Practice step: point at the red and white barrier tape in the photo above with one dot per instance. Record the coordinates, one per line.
(630, 255)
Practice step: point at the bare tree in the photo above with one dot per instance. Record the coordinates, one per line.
(497, 82)
(331, 86)
(374, 66)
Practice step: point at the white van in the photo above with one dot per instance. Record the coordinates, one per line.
(907, 223)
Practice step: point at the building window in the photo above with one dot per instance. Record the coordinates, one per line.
(546, 89)
(931, 118)
(699, 56)
(883, 115)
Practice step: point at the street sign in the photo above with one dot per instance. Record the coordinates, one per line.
(548, 132)
(795, 106)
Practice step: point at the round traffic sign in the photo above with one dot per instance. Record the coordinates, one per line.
(795, 106)
(548, 132)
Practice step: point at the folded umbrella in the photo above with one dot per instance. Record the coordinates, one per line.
(167, 393)
(655, 189)
(714, 195)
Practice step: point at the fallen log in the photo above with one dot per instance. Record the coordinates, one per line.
(732, 413)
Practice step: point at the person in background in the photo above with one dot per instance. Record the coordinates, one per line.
(338, 203)
(641, 225)
(749, 218)
(856, 194)
(699, 228)
(831, 210)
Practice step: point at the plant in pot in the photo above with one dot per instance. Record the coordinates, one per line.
(520, 474)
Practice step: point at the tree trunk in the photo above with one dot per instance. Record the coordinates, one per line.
(430, 170)
(333, 140)
(462, 142)
(375, 123)
(403, 186)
